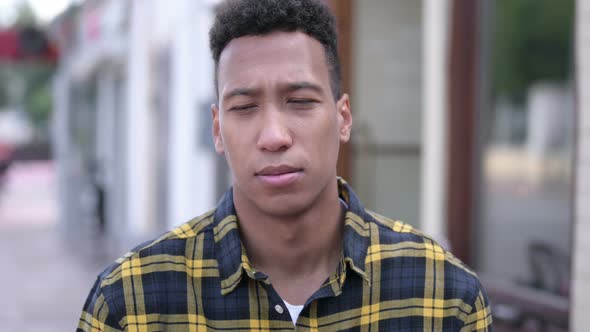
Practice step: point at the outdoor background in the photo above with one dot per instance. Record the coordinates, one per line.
(471, 123)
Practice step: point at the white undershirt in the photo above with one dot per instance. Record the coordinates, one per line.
(294, 311)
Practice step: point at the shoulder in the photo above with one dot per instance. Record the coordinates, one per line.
(405, 241)
(155, 267)
(159, 253)
(409, 257)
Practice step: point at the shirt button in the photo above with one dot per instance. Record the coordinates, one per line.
(279, 309)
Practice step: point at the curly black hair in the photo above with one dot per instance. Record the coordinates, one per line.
(238, 18)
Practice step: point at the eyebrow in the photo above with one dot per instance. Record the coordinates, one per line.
(241, 92)
(303, 85)
(289, 87)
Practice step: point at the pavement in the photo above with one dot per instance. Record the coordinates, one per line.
(46, 271)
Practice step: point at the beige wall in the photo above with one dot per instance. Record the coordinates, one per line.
(580, 302)
(387, 102)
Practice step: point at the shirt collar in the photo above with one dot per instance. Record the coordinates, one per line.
(356, 238)
(231, 256)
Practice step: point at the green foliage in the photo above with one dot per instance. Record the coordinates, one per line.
(3, 93)
(533, 41)
(38, 102)
(36, 99)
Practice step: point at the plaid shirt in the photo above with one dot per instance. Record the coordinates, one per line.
(198, 277)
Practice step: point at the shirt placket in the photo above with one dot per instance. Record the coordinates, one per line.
(276, 306)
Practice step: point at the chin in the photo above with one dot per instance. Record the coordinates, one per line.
(285, 208)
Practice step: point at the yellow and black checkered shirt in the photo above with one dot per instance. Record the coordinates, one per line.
(198, 277)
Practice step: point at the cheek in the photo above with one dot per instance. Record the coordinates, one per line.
(325, 139)
(331, 130)
(235, 147)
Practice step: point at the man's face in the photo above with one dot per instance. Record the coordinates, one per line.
(277, 122)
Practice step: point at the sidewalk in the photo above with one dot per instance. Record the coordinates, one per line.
(46, 275)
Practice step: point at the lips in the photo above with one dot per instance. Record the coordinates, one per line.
(278, 170)
(279, 176)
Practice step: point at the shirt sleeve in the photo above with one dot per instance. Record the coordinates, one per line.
(96, 316)
(480, 318)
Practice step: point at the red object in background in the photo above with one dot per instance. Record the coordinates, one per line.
(26, 44)
(6, 152)
(9, 45)
(6, 157)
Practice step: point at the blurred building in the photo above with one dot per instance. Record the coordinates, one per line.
(443, 138)
(132, 106)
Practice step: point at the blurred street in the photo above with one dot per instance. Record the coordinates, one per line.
(45, 277)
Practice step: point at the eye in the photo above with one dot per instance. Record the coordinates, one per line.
(242, 108)
(302, 103)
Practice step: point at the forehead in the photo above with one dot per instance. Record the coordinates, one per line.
(272, 58)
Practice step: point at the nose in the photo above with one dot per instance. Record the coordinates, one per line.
(274, 134)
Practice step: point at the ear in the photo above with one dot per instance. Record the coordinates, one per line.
(217, 139)
(344, 117)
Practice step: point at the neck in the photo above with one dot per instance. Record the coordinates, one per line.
(291, 247)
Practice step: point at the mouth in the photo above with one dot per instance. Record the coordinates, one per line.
(278, 176)
(277, 170)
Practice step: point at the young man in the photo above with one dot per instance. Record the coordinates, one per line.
(289, 246)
